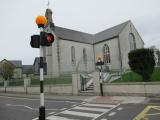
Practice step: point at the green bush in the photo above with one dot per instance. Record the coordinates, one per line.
(142, 62)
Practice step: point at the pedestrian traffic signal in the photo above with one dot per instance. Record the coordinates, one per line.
(44, 39)
(35, 41)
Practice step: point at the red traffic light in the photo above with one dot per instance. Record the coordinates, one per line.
(46, 39)
(50, 38)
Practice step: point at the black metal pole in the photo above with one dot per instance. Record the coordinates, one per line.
(42, 107)
(100, 78)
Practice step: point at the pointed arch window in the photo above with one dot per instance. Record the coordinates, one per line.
(106, 54)
(132, 41)
(84, 56)
(73, 59)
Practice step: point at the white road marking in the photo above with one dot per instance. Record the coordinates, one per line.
(91, 109)
(112, 114)
(99, 105)
(25, 106)
(106, 111)
(57, 118)
(119, 109)
(50, 113)
(70, 102)
(74, 105)
(63, 109)
(20, 106)
(80, 114)
(35, 119)
(86, 106)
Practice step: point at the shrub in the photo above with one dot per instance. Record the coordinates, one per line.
(142, 62)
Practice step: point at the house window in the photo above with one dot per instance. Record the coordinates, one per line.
(106, 54)
(132, 41)
(73, 59)
(84, 56)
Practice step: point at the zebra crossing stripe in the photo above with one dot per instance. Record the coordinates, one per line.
(35, 119)
(99, 105)
(80, 114)
(57, 118)
(97, 111)
(91, 109)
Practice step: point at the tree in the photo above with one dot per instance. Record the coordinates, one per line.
(6, 69)
(142, 62)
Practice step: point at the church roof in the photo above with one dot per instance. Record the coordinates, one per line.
(72, 35)
(77, 36)
(110, 33)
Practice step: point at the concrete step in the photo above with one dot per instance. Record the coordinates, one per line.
(91, 87)
(87, 93)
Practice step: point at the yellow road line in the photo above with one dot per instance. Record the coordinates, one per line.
(143, 115)
(152, 114)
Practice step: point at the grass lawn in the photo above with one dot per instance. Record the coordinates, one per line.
(134, 77)
(58, 80)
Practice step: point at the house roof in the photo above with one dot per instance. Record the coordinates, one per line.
(25, 68)
(78, 36)
(4, 60)
(17, 63)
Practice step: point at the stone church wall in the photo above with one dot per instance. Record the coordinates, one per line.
(114, 52)
(65, 57)
(125, 43)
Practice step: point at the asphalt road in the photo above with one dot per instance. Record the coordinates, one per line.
(28, 109)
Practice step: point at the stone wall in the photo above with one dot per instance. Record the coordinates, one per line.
(52, 89)
(133, 89)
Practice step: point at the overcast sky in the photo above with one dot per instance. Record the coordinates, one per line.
(17, 21)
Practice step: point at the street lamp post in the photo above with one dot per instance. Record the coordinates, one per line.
(41, 22)
(99, 64)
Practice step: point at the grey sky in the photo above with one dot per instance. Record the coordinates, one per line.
(18, 21)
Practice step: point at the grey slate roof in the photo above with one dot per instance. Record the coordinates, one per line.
(73, 35)
(110, 33)
(17, 63)
(25, 68)
(78, 36)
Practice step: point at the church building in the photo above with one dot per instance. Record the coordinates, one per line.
(75, 51)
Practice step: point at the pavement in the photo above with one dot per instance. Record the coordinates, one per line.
(91, 99)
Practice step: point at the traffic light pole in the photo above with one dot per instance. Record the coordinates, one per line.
(42, 107)
(100, 79)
